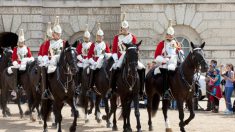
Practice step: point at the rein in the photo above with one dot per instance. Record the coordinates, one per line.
(69, 75)
(133, 77)
(186, 83)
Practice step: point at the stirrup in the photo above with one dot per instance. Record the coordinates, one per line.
(166, 95)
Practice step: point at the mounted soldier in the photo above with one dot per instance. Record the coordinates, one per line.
(82, 51)
(21, 54)
(20, 57)
(99, 51)
(166, 55)
(51, 50)
(118, 54)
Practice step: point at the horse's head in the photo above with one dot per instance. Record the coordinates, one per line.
(70, 57)
(7, 54)
(132, 55)
(198, 57)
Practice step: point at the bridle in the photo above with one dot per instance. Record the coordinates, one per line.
(197, 71)
(66, 67)
(131, 84)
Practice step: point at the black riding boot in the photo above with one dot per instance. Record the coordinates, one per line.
(78, 81)
(166, 94)
(91, 82)
(44, 82)
(141, 73)
(112, 83)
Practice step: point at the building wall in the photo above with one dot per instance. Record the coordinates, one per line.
(212, 21)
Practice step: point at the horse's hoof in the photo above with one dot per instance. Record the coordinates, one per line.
(45, 130)
(89, 112)
(114, 128)
(99, 120)
(109, 125)
(72, 129)
(150, 128)
(27, 112)
(33, 119)
(169, 130)
(104, 117)
(54, 125)
(139, 130)
(21, 116)
(40, 122)
(86, 121)
(8, 113)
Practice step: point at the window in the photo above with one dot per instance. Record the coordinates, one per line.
(185, 45)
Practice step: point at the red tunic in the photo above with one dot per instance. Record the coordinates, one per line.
(91, 53)
(159, 48)
(79, 50)
(44, 49)
(15, 56)
(41, 49)
(116, 49)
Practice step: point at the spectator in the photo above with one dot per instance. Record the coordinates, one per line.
(216, 93)
(229, 78)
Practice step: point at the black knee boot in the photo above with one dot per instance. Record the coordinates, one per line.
(112, 84)
(44, 82)
(164, 73)
(142, 79)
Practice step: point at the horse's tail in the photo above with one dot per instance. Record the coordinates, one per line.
(155, 104)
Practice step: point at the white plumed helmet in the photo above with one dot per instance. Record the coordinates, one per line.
(21, 36)
(57, 28)
(170, 29)
(100, 31)
(49, 31)
(87, 33)
(124, 23)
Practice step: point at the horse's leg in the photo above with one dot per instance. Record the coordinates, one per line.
(164, 110)
(72, 103)
(91, 104)
(137, 112)
(31, 107)
(181, 114)
(124, 113)
(45, 109)
(97, 109)
(4, 98)
(108, 125)
(191, 110)
(128, 124)
(58, 116)
(18, 103)
(113, 110)
(86, 99)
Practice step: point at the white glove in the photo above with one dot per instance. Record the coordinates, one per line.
(79, 57)
(115, 57)
(91, 61)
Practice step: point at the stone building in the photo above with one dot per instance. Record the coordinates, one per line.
(212, 21)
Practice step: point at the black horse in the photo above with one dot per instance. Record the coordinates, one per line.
(128, 86)
(31, 82)
(61, 84)
(101, 81)
(5, 62)
(182, 85)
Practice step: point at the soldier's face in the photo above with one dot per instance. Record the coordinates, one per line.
(86, 39)
(169, 37)
(21, 44)
(56, 36)
(99, 38)
(124, 31)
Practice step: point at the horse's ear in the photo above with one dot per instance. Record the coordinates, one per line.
(138, 44)
(202, 45)
(126, 45)
(192, 45)
(66, 44)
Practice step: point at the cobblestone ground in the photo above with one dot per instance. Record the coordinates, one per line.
(203, 122)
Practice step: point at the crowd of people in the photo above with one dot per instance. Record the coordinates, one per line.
(220, 76)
